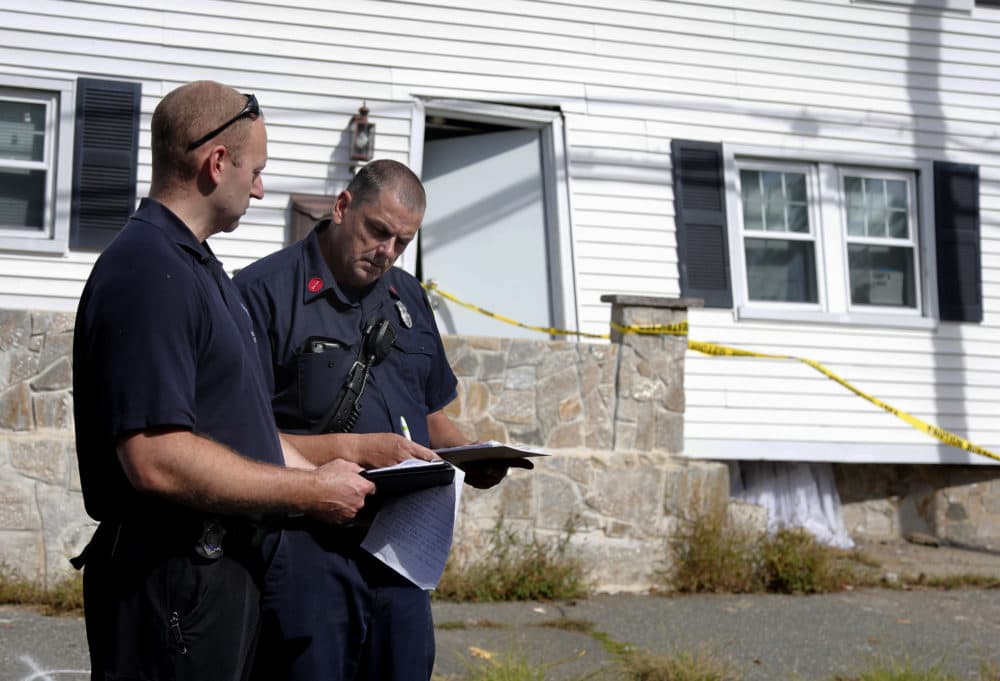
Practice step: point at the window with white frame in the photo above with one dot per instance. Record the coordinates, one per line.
(881, 244)
(826, 238)
(779, 240)
(27, 131)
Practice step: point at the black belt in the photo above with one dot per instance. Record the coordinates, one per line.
(210, 536)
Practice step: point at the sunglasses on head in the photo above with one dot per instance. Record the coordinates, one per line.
(252, 109)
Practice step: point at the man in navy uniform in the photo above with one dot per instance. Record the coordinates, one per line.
(179, 457)
(319, 308)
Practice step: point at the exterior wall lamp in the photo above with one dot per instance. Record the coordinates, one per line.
(362, 135)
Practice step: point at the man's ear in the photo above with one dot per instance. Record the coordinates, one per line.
(340, 205)
(215, 162)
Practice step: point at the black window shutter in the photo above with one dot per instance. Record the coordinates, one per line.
(104, 160)
(700, 215)
(956, 228)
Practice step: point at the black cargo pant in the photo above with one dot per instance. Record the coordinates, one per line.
(157, 611)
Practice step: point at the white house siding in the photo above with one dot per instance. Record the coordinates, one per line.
(817, 77)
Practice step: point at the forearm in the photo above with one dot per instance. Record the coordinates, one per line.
(293, 455)
(444, 433)
(369, 450)
(319, 449)
(203, 474)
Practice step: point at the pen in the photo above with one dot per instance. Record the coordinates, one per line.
(404, 427)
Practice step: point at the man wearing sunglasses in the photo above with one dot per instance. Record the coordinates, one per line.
(180, 461)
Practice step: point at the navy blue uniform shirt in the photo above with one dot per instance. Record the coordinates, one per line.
(162, 339)
(293, 299)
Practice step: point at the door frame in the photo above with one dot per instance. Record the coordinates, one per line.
(555, 185)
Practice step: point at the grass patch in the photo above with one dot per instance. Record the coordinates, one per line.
(904, 671)
(508, 668)
(516, 569)
(709, 555)
(568, 624)
(65, 597)
(793, 562)
(645, 666)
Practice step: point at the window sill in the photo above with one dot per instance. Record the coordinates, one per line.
(27, 244)
(892, 320)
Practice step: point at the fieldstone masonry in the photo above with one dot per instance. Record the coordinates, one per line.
(959, 505)
(42, 520)
(611, 415)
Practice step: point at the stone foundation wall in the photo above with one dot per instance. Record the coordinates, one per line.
(42, 520)
(622, 509)
(957, 504)
(611, 414)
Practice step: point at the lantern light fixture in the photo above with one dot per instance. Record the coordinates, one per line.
(362, 135)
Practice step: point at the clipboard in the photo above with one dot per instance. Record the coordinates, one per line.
(394, 481)
(490, 450)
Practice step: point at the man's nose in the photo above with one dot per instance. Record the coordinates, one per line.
(257, 190)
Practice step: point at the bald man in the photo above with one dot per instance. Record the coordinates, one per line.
(179, 457)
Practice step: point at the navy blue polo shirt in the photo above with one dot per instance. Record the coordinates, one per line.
(162, 339)
(294, 299)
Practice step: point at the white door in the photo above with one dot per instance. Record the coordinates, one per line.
(484, 235)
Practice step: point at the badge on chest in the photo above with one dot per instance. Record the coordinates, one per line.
(404, 315)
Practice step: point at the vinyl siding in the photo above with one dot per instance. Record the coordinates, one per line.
(814, 77)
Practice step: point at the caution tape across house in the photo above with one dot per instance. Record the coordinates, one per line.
(704, 347)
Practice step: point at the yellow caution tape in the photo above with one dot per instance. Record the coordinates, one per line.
(431, 286)
(934, 431)
(681, 329)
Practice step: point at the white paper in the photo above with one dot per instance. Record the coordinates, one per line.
(412, 533)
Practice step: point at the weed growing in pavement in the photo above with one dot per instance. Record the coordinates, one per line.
(491, 666)
(628, 664)
(634, 664)
(792, 561)
(989, 671)
(65, 597)
(568, 624)
(645, 666)
(508, 668)
(516, 569)
(903, 671)
(710, 555)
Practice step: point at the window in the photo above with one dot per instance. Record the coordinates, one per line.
(27, 178)
(778, 237)
(68, 156)
(881, 249)
(826, 238)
